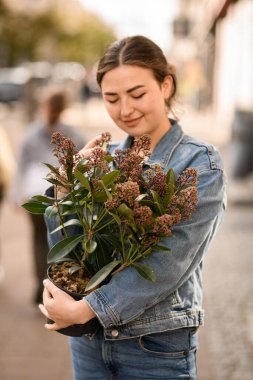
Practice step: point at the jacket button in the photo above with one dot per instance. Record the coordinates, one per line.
(115, 333)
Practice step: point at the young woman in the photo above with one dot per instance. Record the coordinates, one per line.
(148, 330)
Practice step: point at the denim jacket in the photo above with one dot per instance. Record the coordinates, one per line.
(129, 305)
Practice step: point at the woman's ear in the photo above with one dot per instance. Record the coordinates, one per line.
(167, 86)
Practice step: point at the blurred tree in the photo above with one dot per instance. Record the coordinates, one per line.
(58, 33)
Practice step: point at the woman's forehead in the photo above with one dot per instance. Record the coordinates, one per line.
(127, 77)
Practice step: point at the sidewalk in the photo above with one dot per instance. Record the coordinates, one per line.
(29, 352)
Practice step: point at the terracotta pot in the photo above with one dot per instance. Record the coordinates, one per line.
(76, 330)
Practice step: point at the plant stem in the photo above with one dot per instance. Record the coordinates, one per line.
(123, 266)
(57, 204)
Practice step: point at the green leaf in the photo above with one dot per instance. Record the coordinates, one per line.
(168, 195)
(101, 275)
(67, 210)
(67, 259)
(109, 158)
(158, 201)
(107, 192)
(74, 269)
(63, 248)
(34, 207)
(145, 271)
(56, 182)
(52, 168)
(109, 178)
(116, 218)
(160, 247)
(100, 197)
(105, 247)
(71, 222)
(170, 177)
(66, 202)
(42, 199)
(90, 246)
(124, 210)
(65, 206)
(82, 179)
(98, 172)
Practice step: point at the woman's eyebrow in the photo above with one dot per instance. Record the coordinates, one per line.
(128, 91)
(135, 88)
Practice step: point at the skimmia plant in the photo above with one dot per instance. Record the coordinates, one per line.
(121, 209)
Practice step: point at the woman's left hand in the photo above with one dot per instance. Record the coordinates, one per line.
(62, 308)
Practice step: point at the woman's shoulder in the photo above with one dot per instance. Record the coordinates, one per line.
(201, 154)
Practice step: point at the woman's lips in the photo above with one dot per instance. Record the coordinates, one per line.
(132, 122)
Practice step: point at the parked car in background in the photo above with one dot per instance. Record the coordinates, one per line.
(12, 83)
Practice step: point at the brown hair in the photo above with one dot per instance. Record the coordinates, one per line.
(138, 51)
(56, 102)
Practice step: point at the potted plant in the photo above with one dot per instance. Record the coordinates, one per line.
(112, 214)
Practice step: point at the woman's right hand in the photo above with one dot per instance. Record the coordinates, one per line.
(88, 148)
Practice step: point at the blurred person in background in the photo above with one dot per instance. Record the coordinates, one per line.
(7, 169)
(29, 180)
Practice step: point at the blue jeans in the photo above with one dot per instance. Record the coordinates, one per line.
(168, 355)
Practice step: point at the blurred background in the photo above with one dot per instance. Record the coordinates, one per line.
(47, 44)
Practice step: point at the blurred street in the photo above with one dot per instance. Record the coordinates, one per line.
(29, 352)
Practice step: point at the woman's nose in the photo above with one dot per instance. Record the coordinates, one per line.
(126, 108)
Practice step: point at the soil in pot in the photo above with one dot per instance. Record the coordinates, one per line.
(74, 285)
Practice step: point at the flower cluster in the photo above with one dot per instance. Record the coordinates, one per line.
(123, 207)
(66, 154)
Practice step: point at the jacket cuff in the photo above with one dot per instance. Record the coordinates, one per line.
(103, 309)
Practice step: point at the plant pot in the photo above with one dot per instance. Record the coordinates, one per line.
(76, 330)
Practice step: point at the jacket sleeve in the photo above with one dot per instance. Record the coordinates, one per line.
(127, 295)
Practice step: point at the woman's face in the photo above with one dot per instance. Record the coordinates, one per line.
(136, 101)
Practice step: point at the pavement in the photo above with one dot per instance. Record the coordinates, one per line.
(29, 352)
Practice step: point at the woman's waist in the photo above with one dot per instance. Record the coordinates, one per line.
(149, 323)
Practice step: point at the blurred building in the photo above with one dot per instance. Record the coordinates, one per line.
(213, 48)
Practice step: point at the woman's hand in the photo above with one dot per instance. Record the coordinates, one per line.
(88, 148)
(62, 308)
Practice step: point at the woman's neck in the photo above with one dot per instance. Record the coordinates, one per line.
(158, 134)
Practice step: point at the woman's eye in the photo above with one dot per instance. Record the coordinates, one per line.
(112, 101)
(139, 96)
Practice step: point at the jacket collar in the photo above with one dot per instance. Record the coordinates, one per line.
(164, 149)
